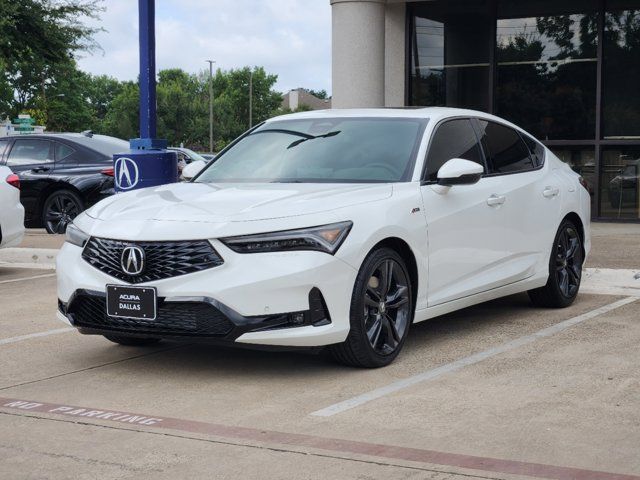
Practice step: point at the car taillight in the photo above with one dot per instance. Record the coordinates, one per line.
(107, 171)
(14, 180)
(584, 183)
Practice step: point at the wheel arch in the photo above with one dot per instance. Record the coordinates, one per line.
(53, 188)
(575, 218)
(403, 249)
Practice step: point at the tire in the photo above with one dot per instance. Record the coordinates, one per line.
(565, 269)
(59, 209)
(378, 332)
(131, 341)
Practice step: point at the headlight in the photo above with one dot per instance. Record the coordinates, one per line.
(326, 238)
(75, 236)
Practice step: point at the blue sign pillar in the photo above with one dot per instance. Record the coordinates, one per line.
(148, 163)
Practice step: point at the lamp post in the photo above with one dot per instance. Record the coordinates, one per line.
(211, 62)
(148, 162)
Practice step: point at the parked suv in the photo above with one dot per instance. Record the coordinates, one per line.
(60, 174)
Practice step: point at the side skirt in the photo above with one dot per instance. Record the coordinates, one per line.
(511, 289)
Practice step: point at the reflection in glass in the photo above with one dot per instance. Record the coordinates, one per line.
(621, 103)
(583, 162)
(619, 183)
(458, 75)
(546, 76)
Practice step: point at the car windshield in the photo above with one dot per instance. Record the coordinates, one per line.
(336, 150)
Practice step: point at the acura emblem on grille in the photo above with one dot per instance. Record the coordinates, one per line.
(132, 260)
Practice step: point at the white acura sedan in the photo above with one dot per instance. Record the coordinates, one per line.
(333, 228)
(11, 210)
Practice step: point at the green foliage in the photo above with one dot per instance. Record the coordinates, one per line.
(38, 42)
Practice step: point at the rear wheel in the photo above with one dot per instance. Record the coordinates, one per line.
(565, 270)
(381, 312)
(60, 208)
(131, 341)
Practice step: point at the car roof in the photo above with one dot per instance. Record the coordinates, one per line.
(102, 144)
(432, 113)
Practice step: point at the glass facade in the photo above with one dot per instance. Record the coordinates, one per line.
(567, 71)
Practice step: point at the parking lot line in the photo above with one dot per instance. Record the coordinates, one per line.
(464, 362)
(233, 433)
(27, 278)
(20, 338)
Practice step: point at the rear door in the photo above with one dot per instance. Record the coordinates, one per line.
(32, 159)
(528, 199)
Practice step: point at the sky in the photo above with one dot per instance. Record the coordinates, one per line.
(290, 38)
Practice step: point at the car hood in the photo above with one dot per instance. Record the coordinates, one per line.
(202, 202)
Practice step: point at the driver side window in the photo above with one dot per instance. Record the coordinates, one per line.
(453, 139)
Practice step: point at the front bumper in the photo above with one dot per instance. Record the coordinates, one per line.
(257, 294)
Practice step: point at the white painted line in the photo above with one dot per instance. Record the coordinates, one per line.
(464, 362)
(13, 280)
(6, 341)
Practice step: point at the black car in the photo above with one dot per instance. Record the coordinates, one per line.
(60, 174)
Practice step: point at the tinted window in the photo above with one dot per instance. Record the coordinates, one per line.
(338, 150)
(506, 152)
(3, 147)
(29, 151)
(100, 143)
(453, 139)
(535, 149)
(63, 151)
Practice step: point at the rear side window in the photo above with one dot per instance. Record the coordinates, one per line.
(453, 139)
(63, 151)
(505, 150)
(29, 152)
(536, 149)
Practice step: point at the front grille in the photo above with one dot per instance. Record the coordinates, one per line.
(173, 318)
(162, 259)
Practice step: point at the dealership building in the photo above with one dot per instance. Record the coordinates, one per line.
(567, 71)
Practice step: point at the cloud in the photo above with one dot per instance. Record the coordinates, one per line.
(290, 38)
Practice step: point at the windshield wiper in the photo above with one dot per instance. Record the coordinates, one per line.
(313, 137)
(282, 130)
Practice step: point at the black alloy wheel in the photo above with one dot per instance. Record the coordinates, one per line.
(569, 259)
(565, 269)
(386, 307)
(381, 312)
(60, 209)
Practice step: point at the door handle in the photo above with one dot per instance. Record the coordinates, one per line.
(495, 200)
(550, 192)
(40, 169)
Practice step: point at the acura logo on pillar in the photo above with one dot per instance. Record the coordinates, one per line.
(132, 260)
(126, 173)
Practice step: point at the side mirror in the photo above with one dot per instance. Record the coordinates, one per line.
(458, 171)
(193, 169)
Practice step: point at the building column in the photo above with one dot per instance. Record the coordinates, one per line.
(358, 36)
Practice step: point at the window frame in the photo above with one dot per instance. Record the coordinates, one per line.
(423, 179)
(50, 156)
(485, 148)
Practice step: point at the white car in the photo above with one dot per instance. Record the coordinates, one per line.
(335, 228)
(11, 210)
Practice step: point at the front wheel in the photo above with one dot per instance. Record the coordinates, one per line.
(381, 312)
(565, 270)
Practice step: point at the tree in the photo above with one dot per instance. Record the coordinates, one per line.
(38, 42)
